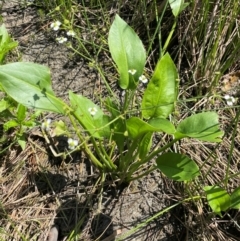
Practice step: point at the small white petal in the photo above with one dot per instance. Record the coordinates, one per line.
(230, 103)
(61, 39)
(72, 143)
(226, 97)
(71, 33)
(92, 110)
(132, 71)
(75, 142)
(55, 25)
(143, 79)
(233, 99)
(46, 124)
(48, 121)
(70, 140)
(70, 147)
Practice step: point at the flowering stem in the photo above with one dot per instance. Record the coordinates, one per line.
(85, 146)
(129, 156)
(154, 153)
(74, 50)
(104, 158)
(107, 157)
(125, 105)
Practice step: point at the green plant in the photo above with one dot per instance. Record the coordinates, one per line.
(6, 43)
(122, 139)
(219, 199)
(15, 117)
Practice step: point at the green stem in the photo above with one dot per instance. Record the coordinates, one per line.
(112, 149)
(125, 105)
(126, 159)
(154, 153)
(169, 37)
(106, 82)
(85, 146)
(151, 169)
(134, 167)
(99, 152)
(107, 158)
(76, 51)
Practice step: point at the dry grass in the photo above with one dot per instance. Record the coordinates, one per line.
(35, 194)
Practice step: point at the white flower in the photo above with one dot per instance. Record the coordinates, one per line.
(61, 40)
(132, 71)
(71, 33)
(72, 143)
(143, 79)
(92, 110)
(230, 100)
(55, 25)
(46, 124)
(123, 93)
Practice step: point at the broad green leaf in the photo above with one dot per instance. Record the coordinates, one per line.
(30, 85)
(30, 123)
(10, 124)
(97, 123)
(163, 124)
(235, 199)
(6, 43)
(3, 35)
(161, 93)
(177, 6)
(127, 52)
(137, 127)
(219, 200)
(21, 113)
(145, 145)
(177, 167)
(203, 126)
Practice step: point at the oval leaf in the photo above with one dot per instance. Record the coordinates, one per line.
(161, 92)
(203, 126)
(127, 52)
(96, 123)
(137, 127)
(30, 85)
(163, 124)
(177, 167)
(218, 199)
(145, 145)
